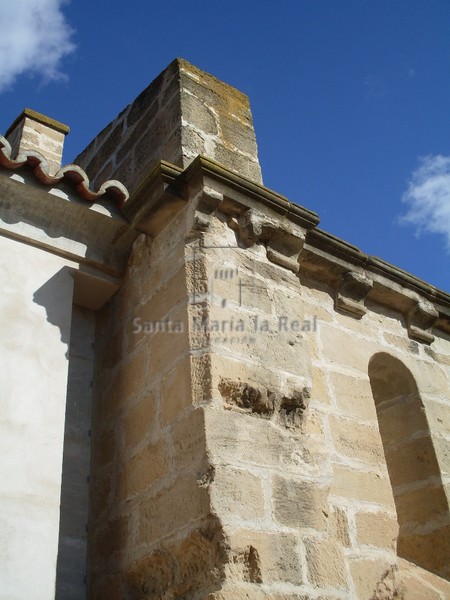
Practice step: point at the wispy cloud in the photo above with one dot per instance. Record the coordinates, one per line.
(428, 197)
(34, 38)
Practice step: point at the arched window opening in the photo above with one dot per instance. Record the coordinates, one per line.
(421, 503)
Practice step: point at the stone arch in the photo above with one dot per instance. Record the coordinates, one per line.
(420, 499)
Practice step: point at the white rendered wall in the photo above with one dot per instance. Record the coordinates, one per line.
(35, 316)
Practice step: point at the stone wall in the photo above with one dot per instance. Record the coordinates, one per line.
(184, 112)
(239, 420)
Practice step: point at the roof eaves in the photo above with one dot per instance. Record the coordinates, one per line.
(71, 174)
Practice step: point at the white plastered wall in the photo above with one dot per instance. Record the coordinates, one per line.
(35, 316)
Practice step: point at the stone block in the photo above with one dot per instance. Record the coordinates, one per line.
(189, 440)
(411, 574)
(263, 557)
(300, 504)
(291, 303)
(104, 448)
(338, 527)
(325, 560)
(376, 529)
(187, 568)
(358, 441)
(153, 316)
(354, 396)
(362, 485)
(372, 578)
(176, 391)
(139, 421)
(142, 470)
(238, 163)
(421, 505)
(197, 113)
(108, 588)
(429, 550)
(100, 493)
(431, 378)
(126, 384)
(168, 344)
(319, 388)
(402, 343)
(412, 461)
(416, 590)
(235, 437)
(438, 416)
(232, 367)
(236, 492)
(112, 540)
(312, 422)
(403, 419)
(173, 508)
(344, 349)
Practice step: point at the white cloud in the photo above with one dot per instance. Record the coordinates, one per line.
(428, 197)
(34, 37)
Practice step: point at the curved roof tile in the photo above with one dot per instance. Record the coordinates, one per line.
(71, 174)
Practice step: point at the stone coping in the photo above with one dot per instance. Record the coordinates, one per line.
(36, 116)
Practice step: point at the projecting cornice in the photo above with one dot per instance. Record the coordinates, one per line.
(292, 240)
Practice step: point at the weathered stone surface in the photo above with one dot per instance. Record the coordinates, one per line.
(325, 563)
(376, 529)
(418, 581)
(176, 391)
(371, 576)
(171, 509)
(414, 461)
(126, 384)
(355, 440)
(350, 350)
(361, 485)
(319, 388)
(338, 527)
(237, 492)
(237, 437)
(139, 421)
(430, 549)
(422, 504)
(354, 396)
(300, 504)
(184, 112)
(142, 470)
(182, 570)
(113, 539)
(263, 557)
(189, 440)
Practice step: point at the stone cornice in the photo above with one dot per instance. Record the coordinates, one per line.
(246, 193)
(292, 241)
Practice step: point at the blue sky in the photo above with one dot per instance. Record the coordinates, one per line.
(350, 98)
